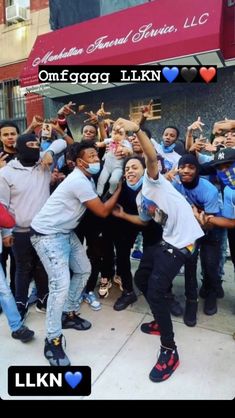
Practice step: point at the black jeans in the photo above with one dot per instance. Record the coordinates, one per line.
(158, 267)
(231, 240)
(123, 242)
(100, 249)
(210, 253)
(28, 267)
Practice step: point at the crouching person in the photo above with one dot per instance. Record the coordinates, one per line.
(60, 250)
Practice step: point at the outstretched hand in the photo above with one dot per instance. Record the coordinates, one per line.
(67, 109)
(196, 125)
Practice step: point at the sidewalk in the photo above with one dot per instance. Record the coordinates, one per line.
(121, 356)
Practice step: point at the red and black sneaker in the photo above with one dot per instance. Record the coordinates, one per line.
(167, 362)
(151, 328)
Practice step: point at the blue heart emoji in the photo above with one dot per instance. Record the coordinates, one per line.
(170, 74)
(73, 379)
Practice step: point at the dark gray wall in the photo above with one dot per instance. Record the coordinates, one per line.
(181, 103)
(69, 12)
(112, 6)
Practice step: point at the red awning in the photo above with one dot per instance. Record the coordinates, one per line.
(151, 32)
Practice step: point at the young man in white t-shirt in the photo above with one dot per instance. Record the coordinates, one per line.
(60, 250)
(158, 200)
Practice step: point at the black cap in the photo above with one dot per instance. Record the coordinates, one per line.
(225, 155)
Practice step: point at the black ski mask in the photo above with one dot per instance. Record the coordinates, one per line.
(190, 159)
(27, 156)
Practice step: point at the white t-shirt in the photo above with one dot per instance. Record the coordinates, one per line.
(171, 159)
(63, 210)
(158, 200)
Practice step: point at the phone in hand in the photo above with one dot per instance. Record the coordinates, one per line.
(46, 130)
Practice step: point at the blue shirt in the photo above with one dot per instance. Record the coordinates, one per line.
(205, 196)
(229, 203)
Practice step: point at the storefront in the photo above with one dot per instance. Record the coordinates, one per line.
(161, 32)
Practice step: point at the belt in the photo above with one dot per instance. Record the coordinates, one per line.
(188, 250)
(33, 232)
(185, 251)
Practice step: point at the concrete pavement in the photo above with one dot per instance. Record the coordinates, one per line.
(121, 356)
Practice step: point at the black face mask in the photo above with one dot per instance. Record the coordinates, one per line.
(190, 159)
(27, 156)
(192, 184)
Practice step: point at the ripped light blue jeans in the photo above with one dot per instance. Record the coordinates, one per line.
(59, 253)
(8, 303)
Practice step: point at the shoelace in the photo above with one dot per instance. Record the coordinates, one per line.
(165, 356)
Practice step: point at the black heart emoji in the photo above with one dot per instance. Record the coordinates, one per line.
(188, 74)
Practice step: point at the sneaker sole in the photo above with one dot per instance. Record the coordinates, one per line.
(210, 312)
(56, 365)
(190, 323)
(26, 340)
(151, 333)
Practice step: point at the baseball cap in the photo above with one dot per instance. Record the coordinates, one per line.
(225, 155)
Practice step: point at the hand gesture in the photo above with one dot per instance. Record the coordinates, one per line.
(210, 147)
(101, 112)
(37, 122)
(223, 125)
(127, 125)
(3, 159)
(196, 125)
(55, 125)
(47, 160)
(67, 109)
(147, 110)
(8, 241)
(170, 175)
(56, 176)
(93, 118)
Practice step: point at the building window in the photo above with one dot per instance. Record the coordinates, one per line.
(16, 11)
(12, 103)
(136, 109)
(22, 3)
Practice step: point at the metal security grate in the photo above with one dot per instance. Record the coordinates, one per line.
(12, 103)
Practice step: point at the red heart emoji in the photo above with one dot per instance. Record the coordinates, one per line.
(207, 74)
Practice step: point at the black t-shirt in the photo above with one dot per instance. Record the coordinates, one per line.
(10, 156)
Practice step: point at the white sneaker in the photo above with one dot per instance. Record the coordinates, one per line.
(93, 302)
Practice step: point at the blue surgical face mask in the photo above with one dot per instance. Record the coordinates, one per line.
(228, 176)
(135, 186)
(93, 168)
(169, 148)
